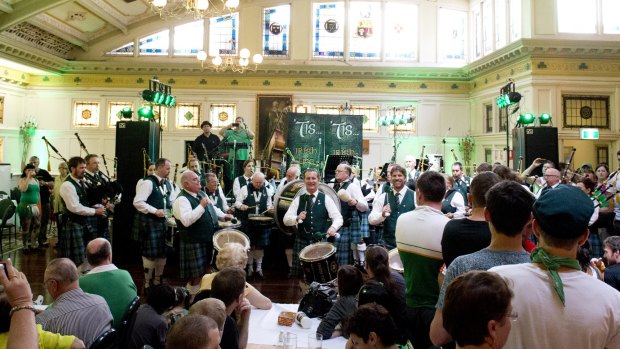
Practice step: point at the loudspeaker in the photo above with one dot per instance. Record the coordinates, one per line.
(133, 139)
(529, 143)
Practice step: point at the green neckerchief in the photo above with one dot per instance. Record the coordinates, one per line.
(553, 263)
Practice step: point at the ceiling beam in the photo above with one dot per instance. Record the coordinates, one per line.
(26, 9)
(4, 7)
(106, 12)
(60, 29)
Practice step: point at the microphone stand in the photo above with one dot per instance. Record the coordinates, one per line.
(443, 170)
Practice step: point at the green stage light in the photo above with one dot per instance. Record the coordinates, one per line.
(147, 95)
(146, 112)
(508, 99)
(127, 113)
(545, 118)
(167, 100)
(173, 101)
(526, 119)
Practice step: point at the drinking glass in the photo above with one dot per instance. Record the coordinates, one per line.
(290, 341)
(315, 341)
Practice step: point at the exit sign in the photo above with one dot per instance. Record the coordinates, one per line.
(589, 133)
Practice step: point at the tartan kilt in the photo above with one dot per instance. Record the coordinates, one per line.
(298, 245)
(348, 235)
(258, 237)
(364, 228)
(595, 243)
(137, 225)
(194, 257)
(71, 243)
(153, 237)
(89, 234)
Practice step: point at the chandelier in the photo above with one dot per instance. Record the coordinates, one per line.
(198, 8)
(237, 65)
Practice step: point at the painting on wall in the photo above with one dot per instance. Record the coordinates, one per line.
(272, 121)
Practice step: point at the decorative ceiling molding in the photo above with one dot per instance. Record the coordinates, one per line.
(26, 9)
(60, 29)
(106, 12)
(22, 52)
(39, 38)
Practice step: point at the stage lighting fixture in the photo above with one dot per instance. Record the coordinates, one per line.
(146, 112)
(526, 119)
(507, 99)
(544, 118)
(127, 113)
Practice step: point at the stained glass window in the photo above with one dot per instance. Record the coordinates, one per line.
(222, 114)
(328, 37)
(451, 34)
(125, 50)
(114, 112)
(86, 114)
(276, 22)
(401, 32)
(189, 38)
(501, 24)
(370, 114)
(224, 35)
(365, 30)
(157, 44)
(327, 109)
(187, 115)
(577, 16)
(611, 21)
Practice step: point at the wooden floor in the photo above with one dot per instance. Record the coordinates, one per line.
(276, 285)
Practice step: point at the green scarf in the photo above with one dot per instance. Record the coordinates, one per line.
(553, 263)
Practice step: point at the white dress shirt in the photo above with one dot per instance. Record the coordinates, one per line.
(243, 194)
(290, 218)
(376, 215)
(182, 210)
(237, 185)
(144, 190)
(355, 192)
(70, 196)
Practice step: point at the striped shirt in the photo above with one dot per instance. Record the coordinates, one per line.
(77, 313)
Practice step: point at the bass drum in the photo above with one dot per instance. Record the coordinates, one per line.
(292, 190)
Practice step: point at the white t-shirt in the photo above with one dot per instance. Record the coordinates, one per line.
(589, 320)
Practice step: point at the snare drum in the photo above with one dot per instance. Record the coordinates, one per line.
(229, 225)
(318, 261)
(230, 235)
(394, 261)
(261, 221)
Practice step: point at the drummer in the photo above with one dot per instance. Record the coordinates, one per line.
(291, 174)
(309, 212)
(243, 180)
(254, 199)
(352, 206)
(216, 194)
(197, 220)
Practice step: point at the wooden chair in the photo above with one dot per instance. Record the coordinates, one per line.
(106, 341)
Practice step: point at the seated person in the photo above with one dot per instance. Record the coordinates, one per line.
(181, 305)
(47, 340)
(150, 326)
(350, 280)
(375, 292)
(73, 312)
(233, 254)
(213, 308)
(477, 310)
(194, 332)
(229, 287)
(378, 268)
(371, 326)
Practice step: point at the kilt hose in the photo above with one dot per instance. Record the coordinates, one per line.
(153, 236)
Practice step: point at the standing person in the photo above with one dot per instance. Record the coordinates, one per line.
(350, 240)
(244, 179)
(461, 181)
(58, 205)
(412, 172)
(390, 205)
(136, 229)
(215, 193)
(77, 229)
(239, 139)
(612, 257)
(508, 212)
(310, 213)
(207, 141)
(27, 209)
(98, 194)
(254, 199)
(197, 221)
(553, 285)
(453, 204)
(291, 174)
(418, 238)
(552, 180)
(153, 200)
(46, 183)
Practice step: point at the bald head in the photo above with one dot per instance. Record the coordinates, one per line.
(190, 181)
(99, 252)
(258, 178)
(292, 173)
(63, 275)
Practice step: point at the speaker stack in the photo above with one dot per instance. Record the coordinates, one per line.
(133, 139)
(529, 143)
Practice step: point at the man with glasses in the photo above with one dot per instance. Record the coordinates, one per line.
(552, 180)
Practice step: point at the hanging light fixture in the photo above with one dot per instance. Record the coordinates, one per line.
(197, 8)
(237, 65)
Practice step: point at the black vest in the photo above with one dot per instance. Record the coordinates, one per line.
(158, 199)
(83, 198)
(345, 210)
(445, 204)
(407, 204)
(217, 199)
(202, 230)
(317, 217)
